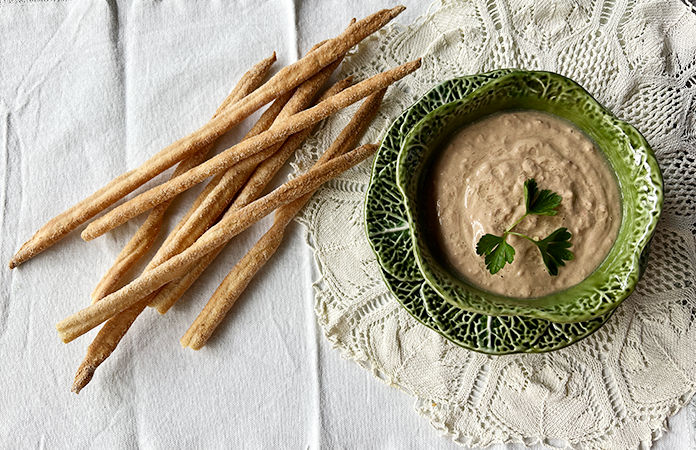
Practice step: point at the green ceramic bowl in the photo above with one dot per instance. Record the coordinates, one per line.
(387, 230)
(629, 155)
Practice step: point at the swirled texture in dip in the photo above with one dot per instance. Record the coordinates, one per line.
(477, 187)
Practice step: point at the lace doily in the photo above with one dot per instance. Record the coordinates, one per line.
(614, 389)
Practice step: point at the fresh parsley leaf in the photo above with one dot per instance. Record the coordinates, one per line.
(554, 249)
(541, 203)
(487, 243)
(498, 252)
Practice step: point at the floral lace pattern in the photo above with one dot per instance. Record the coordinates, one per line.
(614, 389)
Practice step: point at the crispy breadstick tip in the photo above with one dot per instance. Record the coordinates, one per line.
(83, 377)
(397, 10)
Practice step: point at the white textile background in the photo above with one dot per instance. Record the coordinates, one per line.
(89, 90)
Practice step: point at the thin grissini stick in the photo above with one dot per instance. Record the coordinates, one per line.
(105, 342)
(247, 84)
(143, 239)
(234, 154)
(234, 284)
(255, 180)
(235, 177)
(217, 197)
(91, 316)
(285, 80)
(263, 174)
(108, 339)
(261, 125)
(116, 327)
(238, 279)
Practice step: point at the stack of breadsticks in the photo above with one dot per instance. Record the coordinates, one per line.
(230, 203)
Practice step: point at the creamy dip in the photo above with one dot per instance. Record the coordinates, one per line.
(477, 187)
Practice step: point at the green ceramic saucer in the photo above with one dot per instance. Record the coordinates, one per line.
(389, 235)
(629, 155)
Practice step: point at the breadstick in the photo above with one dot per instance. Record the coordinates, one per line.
(105, 342)
(263, 124)
(285, 80)
(202, 214)
(263, 174)
(91, 316)
(148, 232)
(234, 154)
(235, 177)
(238, 279)
(220, 198)
(116, 327)
(143, 239)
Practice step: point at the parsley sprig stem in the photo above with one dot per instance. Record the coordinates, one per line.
(514, 225)
(521, 235)
(553, 248)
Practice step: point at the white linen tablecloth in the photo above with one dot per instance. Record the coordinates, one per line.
(89, 90)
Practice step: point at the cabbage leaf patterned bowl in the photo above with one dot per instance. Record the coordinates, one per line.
(628, 154)
(389, 235)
